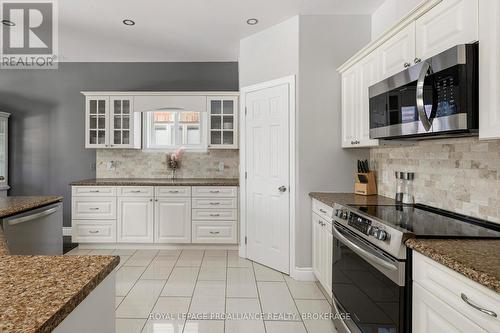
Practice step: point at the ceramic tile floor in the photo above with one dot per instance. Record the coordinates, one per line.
(157, 289)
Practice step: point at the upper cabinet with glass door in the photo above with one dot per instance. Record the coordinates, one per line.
(223, 122)
(111, 123)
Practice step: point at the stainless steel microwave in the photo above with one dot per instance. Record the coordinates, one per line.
(435, 97)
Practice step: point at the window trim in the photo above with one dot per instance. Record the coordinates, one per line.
(147, 126)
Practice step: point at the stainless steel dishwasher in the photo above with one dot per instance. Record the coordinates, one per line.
(38, 231)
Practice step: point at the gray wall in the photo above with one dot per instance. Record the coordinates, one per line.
(47, 123)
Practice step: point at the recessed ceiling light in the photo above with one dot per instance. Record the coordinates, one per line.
(8, 23)
(252, 21)
(128, 22)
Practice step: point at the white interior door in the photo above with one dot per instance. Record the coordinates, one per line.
(267, 140)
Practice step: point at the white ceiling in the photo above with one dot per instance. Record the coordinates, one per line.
(177, 30)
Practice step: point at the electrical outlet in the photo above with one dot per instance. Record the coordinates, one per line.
(221, 166)
(93, 166)
(111, 165)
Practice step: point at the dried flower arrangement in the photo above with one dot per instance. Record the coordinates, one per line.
(174, 160)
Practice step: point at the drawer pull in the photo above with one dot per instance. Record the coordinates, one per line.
(215, 203)
(214, 191)
(215, 232)
(93, 231)
(468, 302)
(136, 191)
(322, 210)
(215, 215)
(94, 208)
(173, 191)
(94, 191)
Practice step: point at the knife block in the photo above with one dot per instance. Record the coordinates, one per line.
(365, 183)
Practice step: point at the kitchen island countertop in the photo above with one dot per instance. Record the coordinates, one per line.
(14, 205)
(39, 292)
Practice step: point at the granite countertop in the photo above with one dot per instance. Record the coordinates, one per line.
(157, 182)
(15, 205)
(350, 199)
(38, 292)
(462, 255)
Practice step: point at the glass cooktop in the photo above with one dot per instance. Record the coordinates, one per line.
(428, 221)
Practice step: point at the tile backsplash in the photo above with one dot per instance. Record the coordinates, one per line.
(460, 174)
(130, 163)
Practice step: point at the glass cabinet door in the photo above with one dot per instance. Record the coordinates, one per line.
(223, 122)
(97, 110)
(122, 121)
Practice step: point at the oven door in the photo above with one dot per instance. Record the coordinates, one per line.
(368, 286)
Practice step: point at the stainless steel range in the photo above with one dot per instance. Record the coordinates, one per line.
(371, 280)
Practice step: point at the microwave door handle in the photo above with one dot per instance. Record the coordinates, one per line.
(362, 252)
(426, 122)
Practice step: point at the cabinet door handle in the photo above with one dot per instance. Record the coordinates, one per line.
(94, 191)
(215, 232)
(135, 191)
(322, 210)
(214, 191)
(214, 203)
(215, 215)
(406, 64)
(93, 231)
(173, 191)
(468, 302)
(417, 60)
(94, 208)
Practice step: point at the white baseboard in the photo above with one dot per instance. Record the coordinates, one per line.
(303, 274)
(66, 231)
(142, 246)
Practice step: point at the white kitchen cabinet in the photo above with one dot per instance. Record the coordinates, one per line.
(350, 107)
(446, 301)
(449, 23)
(135, 220)
(430, 314)
(489, 69)
(368, 75)
(398, 52)
(322, 247)
(223, 122)
(110, 122)
(172, 220)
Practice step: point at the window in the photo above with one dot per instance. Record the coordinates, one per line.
(170, 130)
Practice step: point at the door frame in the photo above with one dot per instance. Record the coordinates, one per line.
(290, 80)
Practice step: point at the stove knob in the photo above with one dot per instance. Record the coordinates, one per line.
(373, 231)
(381, 235)
(337, 212)
(360, 220)
(344, 215)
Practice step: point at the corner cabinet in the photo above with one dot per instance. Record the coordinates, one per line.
(110, 122)
(223, 122)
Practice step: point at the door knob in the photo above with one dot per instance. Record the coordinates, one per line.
(282, 188)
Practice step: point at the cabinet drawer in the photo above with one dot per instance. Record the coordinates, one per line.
(93, 191)
(214, 232)
(96, 231)
(448, 286)
(215, 214)
(215, 203)
(101, 208)
(215, 191)
(173, 191)
(324, 211)
(136, 191)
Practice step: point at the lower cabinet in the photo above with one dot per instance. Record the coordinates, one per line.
(172, 220)
(322, 251)
(135, 220)
(155, 214)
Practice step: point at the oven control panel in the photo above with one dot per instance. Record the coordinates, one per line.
(359, 223)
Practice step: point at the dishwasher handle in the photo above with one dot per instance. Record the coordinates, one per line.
(32, 217)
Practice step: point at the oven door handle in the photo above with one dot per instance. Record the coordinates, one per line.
(426, 121)
(362, 252)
